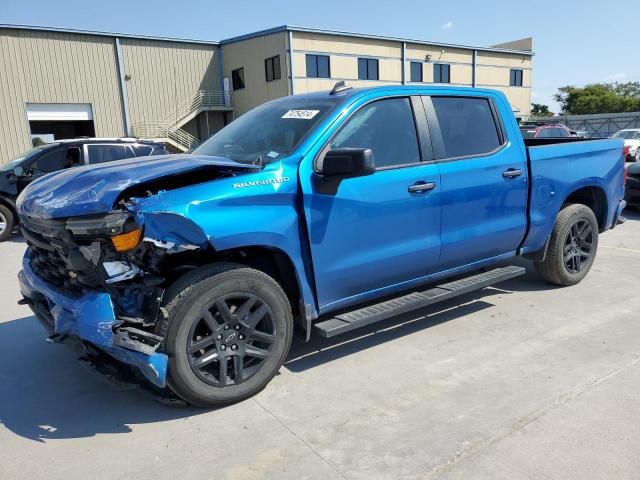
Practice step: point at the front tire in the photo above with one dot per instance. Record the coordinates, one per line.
(572, 246)
(228, 330)
(7, 222)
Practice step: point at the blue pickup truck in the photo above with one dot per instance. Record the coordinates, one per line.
(328, 211)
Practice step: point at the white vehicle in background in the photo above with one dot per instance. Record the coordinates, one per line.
(631, 138)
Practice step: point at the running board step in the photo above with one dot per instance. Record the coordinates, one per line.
(412, 301)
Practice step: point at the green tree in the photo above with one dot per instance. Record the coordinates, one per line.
(37, 142)
(540, 110)
(599, 98)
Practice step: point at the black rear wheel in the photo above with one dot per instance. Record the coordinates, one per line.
(227, 331)
(572, 246)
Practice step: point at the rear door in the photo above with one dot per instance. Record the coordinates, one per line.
(372, 233)
(483, 177)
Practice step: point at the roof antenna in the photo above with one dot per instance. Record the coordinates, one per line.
(340, 87)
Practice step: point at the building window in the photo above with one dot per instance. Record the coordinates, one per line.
(318, 66)
(367, 69)
(272, 68)
(441, 73)
(416, 71)
(237, 78)
(516, 78)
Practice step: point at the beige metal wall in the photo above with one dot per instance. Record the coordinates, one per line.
(51, 67)
(460, 61)
(344, 52)
(250, 54)
(493, 68)
(166, 74)
(493, 71)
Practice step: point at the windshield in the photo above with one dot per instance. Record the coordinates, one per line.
(627, 134)
(25, 156)
(268, 132)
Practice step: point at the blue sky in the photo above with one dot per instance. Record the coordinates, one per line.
(576, 42)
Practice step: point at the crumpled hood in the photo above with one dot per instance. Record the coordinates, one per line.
(94, 189)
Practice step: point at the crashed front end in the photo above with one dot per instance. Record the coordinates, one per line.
(99, 279)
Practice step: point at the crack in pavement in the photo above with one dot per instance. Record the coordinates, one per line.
(300, 439)
(478, 447)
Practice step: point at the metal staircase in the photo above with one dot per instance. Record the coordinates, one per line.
(169, 128)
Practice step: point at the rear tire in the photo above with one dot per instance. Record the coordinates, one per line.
(572, 246)
(227, 331)
(7, 222)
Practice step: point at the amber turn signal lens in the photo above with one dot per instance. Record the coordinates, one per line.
(127, 241)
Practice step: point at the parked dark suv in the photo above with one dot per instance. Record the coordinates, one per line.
(17, 174)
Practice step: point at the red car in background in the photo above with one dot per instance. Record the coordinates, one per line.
(544, 130)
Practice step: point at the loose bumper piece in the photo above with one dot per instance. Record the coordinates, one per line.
(91, 317)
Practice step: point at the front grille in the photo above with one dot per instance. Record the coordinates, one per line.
(52, 268)
(56, 258)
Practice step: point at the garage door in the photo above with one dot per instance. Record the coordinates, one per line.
(59, 111)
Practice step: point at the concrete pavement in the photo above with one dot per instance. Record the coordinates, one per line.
(519, 381)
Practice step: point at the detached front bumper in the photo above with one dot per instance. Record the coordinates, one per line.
(90, 317)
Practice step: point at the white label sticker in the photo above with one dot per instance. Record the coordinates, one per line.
(301, 114)
(272, 154)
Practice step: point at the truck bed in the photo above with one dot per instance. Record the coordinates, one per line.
(563, 167)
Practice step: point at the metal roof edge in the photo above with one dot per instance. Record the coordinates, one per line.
(294, 28)
(259, 33)
(262, 33)
(37, 28)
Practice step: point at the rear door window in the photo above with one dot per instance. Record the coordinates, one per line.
(387, 128)
(106, 153)
(142, 150)
(467, 125)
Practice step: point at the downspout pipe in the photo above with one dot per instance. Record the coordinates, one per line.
(292, 80)
(123, 90)
(474, 77)
(404, 63)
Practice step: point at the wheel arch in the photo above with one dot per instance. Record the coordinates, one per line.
(10, 205)
(594, 197)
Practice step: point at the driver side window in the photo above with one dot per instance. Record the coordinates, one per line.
(49, 162)
(387, 128)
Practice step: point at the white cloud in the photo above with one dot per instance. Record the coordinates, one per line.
(617, 76)
(447, 25)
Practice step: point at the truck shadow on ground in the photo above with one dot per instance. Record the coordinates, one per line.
(46, 394)
(319, 350)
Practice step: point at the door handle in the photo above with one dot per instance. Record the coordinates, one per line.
(421, 187)
(512, 173)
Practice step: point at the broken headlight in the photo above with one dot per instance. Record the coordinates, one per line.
(113, 223)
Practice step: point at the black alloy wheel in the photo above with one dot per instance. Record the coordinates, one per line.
(227, 329)
(232, 339)
(577, 245)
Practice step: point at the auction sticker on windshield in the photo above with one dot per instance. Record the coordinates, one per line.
(301, 114)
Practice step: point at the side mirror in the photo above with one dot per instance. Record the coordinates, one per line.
(347, 162)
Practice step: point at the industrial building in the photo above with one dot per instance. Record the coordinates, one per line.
(58, 83)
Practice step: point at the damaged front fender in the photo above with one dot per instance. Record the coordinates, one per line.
(171, 232)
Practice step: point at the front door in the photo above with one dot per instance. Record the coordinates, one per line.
(51, 160)
(375, 233)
